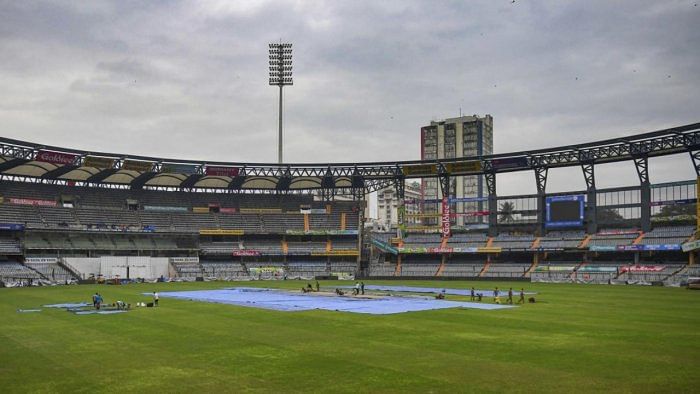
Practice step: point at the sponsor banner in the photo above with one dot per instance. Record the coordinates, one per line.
(216, 231)
(48, 156)
(173, 168)
(227, 210)
(438, 250)
(617, 232)
(98, 162)
(597, 248)
(321, 211)
(419, 169)
(261, 210)
(546, 268)
(246, 252)
(676, 218)
(336, 253)
(134, 165)
(674, 202)
(692, 245)
(509, 162)
(445, 217)
(11, 227)
(200, 209)
(642, 268)
(184, 260)
(321, 232)
(465, 250)
(634, 248)
(221, 171)
(423, 229)
(270, 270)
(41, 260)
(463, 167)
(598, 268)
(117, 228)
(492, 249)
(31, 201)
(406, 250)
(156, 208)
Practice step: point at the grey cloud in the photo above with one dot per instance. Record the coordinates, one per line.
(186, 79)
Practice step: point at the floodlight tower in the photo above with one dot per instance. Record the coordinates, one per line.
(280, 75)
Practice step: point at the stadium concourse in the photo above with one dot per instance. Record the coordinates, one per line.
(68, 215)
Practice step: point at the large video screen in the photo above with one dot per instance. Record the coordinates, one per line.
(564, 211)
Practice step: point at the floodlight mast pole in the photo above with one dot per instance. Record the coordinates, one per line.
(280, 75)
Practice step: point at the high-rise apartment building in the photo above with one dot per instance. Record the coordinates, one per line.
(388, 202)
(466, 136)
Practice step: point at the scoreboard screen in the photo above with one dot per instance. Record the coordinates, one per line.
(564, 211)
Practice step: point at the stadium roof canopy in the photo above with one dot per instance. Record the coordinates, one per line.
(50, 163)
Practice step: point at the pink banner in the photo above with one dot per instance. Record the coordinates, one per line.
(445, 217)
(245, 252)
(227, 210)
(55, 157)
(642, 268)
(31, 201)
(221, 171)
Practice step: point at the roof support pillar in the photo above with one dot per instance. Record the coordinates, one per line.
(490, 178)
(541, 179)
(591, 203)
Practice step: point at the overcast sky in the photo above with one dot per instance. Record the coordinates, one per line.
(189, 79)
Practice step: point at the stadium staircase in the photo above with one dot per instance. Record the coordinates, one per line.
(489, 243)
(343, 222)
(285, 246)
(69, 268)
(486, 266)
(535, 263)
(536, 243)
(574, 273)
(443, 244)
(442, 266)
(41, 276)
(397, 272)
(307, 225)
(585, 241)
(639, 239)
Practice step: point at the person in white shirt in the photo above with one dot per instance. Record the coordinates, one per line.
(155, 298)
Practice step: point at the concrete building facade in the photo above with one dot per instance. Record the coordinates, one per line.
(466, 136)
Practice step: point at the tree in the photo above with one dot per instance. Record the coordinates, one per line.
(676, 210)
(506, 210)
(608, 215)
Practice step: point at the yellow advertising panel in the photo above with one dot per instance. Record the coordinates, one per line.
(200, 209)
(488, 250)
(98, 162)
(216, 231)
(419, 169)
(463, 167)
(134, 165)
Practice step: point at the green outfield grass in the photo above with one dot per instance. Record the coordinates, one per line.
(576, 338)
